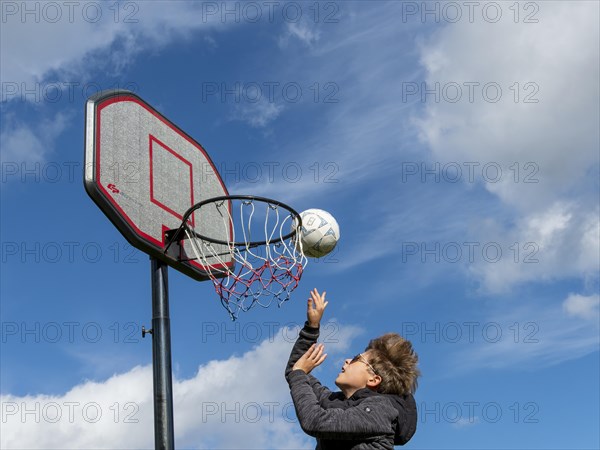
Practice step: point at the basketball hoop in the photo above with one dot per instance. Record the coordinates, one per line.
(267, 256)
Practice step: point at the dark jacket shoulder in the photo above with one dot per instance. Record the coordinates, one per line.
(405, 424)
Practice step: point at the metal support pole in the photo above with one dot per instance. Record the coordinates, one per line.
(161, 358)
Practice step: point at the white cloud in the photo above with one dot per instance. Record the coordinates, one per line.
(584, 307)
(464, 422)
(82, 36)
(558, 133)
(546, 203)
(77, 38)
(258, 114)
(537, 246)
(115, 413)
(360, 121)
(241, 402)
(554, 142)
(23, 143)
(304, 31)
(530, 337)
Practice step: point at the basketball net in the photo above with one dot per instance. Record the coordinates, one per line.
(265, 271)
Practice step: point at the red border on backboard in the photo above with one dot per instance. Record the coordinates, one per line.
(191, 179)
(110, 196)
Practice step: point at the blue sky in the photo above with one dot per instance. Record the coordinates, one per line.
(456, 145)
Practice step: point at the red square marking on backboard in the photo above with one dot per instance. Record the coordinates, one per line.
(157, 145)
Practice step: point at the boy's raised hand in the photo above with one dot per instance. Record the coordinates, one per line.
(312, 358)
(315, 308)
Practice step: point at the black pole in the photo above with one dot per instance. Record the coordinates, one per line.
(161, 358)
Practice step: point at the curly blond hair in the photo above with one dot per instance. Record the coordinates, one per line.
(395, 361)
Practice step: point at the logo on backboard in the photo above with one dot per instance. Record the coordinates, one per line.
(113, 188)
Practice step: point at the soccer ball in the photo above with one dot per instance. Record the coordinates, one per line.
(319, 233)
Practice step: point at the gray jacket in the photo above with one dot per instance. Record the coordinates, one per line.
(367, 420)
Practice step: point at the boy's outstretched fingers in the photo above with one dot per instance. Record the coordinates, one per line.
(312, 358)
(318, 355)
(314, 351)
(315, 308)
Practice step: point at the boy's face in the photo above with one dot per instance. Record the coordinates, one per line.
(357, 373)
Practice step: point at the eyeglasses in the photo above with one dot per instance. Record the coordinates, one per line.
(360, 358)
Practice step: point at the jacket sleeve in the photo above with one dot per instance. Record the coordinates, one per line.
(307, 337)
(374, 416)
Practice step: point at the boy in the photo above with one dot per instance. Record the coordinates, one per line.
(375, 408)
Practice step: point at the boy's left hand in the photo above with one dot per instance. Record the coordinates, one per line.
(312, 358)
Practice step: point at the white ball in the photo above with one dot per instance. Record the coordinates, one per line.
(319, 233)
